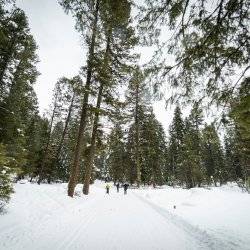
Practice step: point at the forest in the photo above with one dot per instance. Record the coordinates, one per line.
(101, 123)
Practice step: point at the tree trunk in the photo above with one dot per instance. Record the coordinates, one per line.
(89, 163)
(154, 181)
(138, 168)
(78, 149)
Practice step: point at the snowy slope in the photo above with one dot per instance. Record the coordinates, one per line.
(43, 217)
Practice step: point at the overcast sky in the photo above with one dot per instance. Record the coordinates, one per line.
(60, 51)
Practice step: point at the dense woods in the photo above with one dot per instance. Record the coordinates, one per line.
(101, 123)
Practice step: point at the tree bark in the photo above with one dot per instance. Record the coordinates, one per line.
(138, 168)
(78, 149)
(89, 163)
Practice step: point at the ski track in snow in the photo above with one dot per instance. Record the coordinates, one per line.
(202, 236)
(43, 217)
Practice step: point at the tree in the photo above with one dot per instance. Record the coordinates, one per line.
(232, 155)
(37, 134)
(70, 96)
(119, 39)
(213, 157)
(192, 169)
(210, 41)
(6, 172)
(56, 108)
(18, 73)
(116, 154)
(138, 99)
(153, 146)
(87, 16)
(17, 49)
(176, 133)
(240, 111)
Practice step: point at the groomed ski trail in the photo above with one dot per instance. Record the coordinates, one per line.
(44, 218)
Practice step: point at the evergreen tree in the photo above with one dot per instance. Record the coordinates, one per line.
(36, 143)
(176, 133)
(114, 65)
(116, 154)
(213, 157)
(67, 151)
(45, 169)
(66, 102)
(138, 100)
(87, 17)
(153, 146)
(18, 73)
(232, 155)
(240, 113)
(17, 50)
(192, 170)
(6, 172)
(70, 103)
(210, 41)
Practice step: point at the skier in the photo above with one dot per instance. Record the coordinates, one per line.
(125, 186)
(117, 186)
(107, 188)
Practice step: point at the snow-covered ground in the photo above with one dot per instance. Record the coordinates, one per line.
(43, 217)
(221, 212)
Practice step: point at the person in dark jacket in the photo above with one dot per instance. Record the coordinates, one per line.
(125, 187)
(117, 186)
(107, 188)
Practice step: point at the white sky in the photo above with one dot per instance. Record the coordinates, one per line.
(60, 51)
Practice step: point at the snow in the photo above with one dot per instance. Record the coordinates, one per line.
(43, 217)
(24, 181)
(222, 212)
